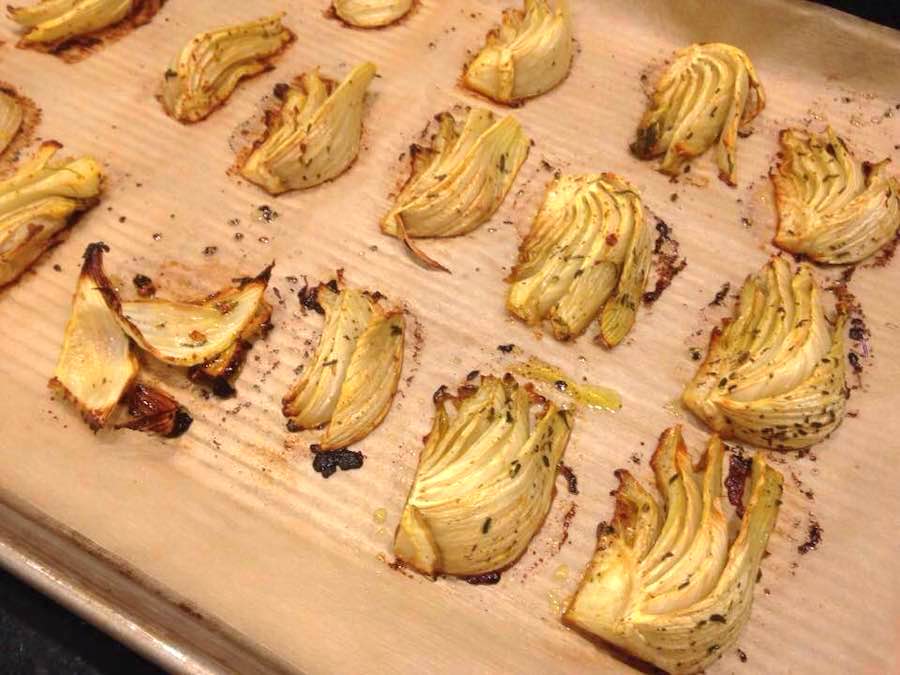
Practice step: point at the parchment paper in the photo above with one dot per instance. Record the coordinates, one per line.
(232, 521)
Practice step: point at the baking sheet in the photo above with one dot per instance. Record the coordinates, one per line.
(230, 525)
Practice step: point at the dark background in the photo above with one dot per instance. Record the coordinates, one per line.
(886, 12)
(40, 637)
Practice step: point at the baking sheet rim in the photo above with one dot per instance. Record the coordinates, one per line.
(112, 615)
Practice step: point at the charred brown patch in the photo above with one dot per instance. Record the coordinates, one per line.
(813, 537)
(739, 468)
(309, 298)
(721, 294)
(144, 285)
(567, 523)
(667, 261)
(327, 462)
(886, 254)
(534, 396)
(571, 478)
(466, 391)
(860, 352)
(624, 509)
(261, 278)
(441, 394)
(154, 411)
(644, 147)
(486, 579)
(92, 267)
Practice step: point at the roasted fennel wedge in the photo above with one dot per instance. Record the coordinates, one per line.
(664, 585)
(352, 378)
(209, 67)
(314, 135)
(371, 13)
(458, 181)
(831, 208)
(55, 22)
(485, 480)
(96, 365)
(39, 202)
(774, 375)
(587, 256)
(191, 333)
(706, 95)
(527, 55)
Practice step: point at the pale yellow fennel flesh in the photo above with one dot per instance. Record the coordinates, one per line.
(485, 480)
(832, 208)
(191, 333)
(96, 364)
(775, 374)
(664, 584)
(527, 55)
(458, 181)
(11, 117)
(705, 97)
(314, 136)
(587, 256)
(210, 66)
(371, 13)
(39, 202)
(352, 378)
(53, 22)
